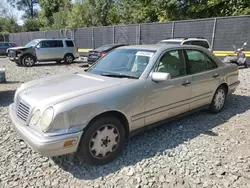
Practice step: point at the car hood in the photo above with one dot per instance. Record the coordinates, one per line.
(18, 48)
(55, 89)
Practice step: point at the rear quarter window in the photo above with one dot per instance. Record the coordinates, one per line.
(69, 43)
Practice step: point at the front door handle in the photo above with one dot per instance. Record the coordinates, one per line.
(216, 75)
(187, 82)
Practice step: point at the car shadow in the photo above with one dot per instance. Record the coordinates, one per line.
(6, 97)
(157, 141)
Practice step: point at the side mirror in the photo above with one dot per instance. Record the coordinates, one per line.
(160, 76)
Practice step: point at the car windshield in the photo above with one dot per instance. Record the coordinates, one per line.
(32, 43)
(170, 42)
(123, 63)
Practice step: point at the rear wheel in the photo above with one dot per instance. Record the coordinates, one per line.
(68, 58)
(102, 141)
(28, 61)
(219, 100)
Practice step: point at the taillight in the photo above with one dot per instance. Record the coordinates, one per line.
(103, 53)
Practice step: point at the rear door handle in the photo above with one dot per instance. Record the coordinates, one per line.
(216, 75)
(187, 82)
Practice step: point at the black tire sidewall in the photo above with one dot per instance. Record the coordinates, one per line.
(25, 57)
(212, 105)
(65, 57)
(83, 148)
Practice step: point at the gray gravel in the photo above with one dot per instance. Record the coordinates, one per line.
(200, 150)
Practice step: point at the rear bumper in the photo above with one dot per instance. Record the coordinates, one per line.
(233, 87)
(45, 145)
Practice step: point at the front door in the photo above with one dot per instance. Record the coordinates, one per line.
(170, 98)
(205, 77)
(49, 50)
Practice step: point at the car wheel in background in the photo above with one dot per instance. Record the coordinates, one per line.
(28, 61)
(219, 100)
(102, 141)
(68, 58)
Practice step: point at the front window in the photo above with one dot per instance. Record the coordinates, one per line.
(172, 62)
(32, 43)
(126, 62)
(170, 42)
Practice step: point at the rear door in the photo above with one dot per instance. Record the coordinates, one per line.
(205, 77)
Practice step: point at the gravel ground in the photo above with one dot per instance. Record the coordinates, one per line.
(200, 150)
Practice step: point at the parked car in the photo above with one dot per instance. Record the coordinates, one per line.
(93, 112)
(4, 46)
(44, 50)
(199, 41)
(97, 53)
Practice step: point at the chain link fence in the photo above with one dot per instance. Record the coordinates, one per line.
(222, 33)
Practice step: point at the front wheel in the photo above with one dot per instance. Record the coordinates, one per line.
(68, 58)
(102, 141)
(219, 100)
(28, 61)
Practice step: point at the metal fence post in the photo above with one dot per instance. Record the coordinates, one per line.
(213, 35)
(173, 25)
(93, 44)
(113, 34)
(139, 35)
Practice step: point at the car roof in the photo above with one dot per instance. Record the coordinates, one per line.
(154, 47)
(54, 39)
(183, 39)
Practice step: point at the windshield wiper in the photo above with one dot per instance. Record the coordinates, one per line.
(118, 75)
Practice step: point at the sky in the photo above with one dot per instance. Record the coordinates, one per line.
(16, 12)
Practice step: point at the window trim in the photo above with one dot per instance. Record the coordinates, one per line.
(204, 54)
(158, 62)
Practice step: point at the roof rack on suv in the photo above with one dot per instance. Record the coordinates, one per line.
(184, 38)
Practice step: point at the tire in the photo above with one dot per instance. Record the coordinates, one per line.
(28, 61)
(219, 100)
(68, 58)
(102, 141)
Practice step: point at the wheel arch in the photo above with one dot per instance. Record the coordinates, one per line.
(113, 113)
(69, 53)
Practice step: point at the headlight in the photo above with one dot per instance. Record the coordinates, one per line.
(46, 119)
(35, 117)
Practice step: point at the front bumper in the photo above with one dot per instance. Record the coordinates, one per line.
(45, 145)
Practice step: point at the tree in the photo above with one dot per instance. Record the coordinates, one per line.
(28, 6)
(49, 8)
(76, 18)
(97, 12)
(31, 25)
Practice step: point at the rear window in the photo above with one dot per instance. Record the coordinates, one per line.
(4, 44)
(104, 48)
(69, 43)
(198, 43)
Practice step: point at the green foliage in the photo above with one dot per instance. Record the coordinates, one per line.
(69, 14)
(31, 25)
(9, 25)
(76, 18)
(53, 13)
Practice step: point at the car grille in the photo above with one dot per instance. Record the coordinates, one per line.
(22, 110)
